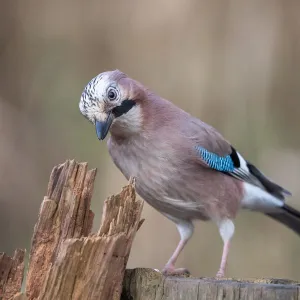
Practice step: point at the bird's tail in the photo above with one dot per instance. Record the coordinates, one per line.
(288, 216)
(270, 186)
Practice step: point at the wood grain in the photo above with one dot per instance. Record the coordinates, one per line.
(11, 274)
(148, 284)
(66, 260)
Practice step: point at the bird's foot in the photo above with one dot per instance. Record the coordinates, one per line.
(169, 270)
(220, 274)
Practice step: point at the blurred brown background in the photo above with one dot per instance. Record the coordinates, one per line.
(234, 64)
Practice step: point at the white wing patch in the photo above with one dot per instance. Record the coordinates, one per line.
(244, 174)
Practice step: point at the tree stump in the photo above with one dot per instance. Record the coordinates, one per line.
(148, 284)
(65, 213)
(66, 260)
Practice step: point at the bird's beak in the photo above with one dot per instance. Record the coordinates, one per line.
(102, 127)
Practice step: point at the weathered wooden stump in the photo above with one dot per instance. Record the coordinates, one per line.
(64, 214)
(148, 284)
(66, 260)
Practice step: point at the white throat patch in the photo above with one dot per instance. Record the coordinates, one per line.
(129, 123)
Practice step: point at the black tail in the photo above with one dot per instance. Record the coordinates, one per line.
(288, 216)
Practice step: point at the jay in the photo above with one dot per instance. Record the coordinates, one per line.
(183, 167)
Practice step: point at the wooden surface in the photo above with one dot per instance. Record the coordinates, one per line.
(146, 284)
(11, 274)
(93, 267)
(66, 260)
(64, 213)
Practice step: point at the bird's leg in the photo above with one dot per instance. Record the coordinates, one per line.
(226, 228)
(186, 229)
(221, 271)
(170, 266)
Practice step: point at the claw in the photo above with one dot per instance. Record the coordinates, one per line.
(220, 274)
(171, 271)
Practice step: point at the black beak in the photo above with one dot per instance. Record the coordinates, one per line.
(103, 126)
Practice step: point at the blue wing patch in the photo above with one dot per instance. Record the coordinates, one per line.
(214, 161)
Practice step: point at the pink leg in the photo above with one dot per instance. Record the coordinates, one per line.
(170, 266)
(226, 228)
(221, 271)
(185, 229)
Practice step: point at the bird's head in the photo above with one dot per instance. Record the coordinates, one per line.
(111, 101)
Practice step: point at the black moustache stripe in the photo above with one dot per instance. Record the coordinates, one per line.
(124, 108)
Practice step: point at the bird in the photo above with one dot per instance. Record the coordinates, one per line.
(183, 167)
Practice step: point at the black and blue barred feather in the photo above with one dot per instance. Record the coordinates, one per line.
(214, 161)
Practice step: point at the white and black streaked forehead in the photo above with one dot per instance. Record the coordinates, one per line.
(89, 96)
(97, 87)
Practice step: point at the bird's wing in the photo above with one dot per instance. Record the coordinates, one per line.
(218, 154)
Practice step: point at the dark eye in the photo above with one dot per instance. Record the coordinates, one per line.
(112, 94)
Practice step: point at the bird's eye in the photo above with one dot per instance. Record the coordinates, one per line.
(112, 94)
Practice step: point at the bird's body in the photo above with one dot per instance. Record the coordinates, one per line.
(183, 167)
(178, 185)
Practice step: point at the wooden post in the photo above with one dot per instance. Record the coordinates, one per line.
(148, 284)
(66, 260)
(93, 267)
